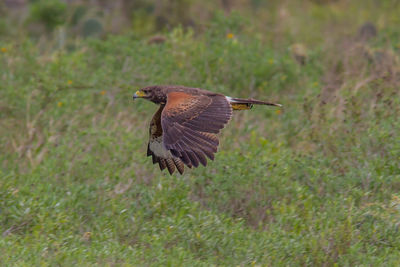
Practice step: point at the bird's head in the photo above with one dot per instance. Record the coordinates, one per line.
(153, 93)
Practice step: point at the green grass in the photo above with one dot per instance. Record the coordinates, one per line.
(316, 184)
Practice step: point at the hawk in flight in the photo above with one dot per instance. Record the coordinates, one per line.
(184, 129)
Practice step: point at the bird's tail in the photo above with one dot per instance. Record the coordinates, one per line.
(241, 104)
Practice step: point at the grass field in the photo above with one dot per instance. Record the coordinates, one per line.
(314, 184)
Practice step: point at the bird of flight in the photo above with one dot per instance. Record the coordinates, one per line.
(184, 129)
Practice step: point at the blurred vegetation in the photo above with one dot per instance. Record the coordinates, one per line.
(316, 183)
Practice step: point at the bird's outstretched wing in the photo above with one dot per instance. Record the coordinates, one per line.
(190, 124)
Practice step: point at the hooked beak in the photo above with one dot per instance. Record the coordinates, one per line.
(139, 94)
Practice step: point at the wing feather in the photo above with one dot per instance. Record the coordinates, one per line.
(162, 164)
(179, 165)
(193, 158)
(170, 165)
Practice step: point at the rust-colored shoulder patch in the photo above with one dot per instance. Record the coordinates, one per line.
(183, 106)
(176, 99)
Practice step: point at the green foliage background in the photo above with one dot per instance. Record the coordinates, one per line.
(316, 183)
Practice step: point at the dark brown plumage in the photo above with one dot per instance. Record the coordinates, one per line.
(184, 129)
